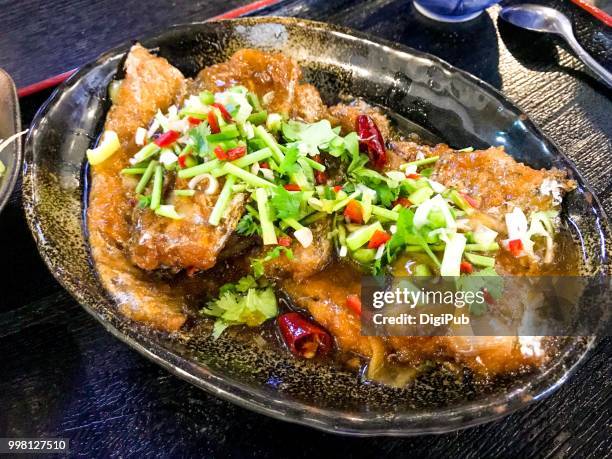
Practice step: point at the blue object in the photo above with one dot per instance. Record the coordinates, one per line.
(452, 10)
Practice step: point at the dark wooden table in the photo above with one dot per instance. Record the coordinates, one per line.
(64, 376)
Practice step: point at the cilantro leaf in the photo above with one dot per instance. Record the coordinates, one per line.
(198, 135)
(144, 201)
(487, 280)
(408, 234)
(257, 264)
(248, 226)
(245, 283)
(386, 195)
(288, 164)
(286, 205)
(314, 134)
(241, 303)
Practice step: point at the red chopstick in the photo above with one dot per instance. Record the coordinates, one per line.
(598, 13)
(57, 79)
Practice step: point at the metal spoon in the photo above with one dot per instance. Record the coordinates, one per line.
(544, 19)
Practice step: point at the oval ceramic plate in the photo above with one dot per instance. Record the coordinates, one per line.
(449, 103)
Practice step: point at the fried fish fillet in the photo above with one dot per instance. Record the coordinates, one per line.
(150, 84)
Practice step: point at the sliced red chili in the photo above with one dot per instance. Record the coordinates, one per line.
(220, 153)
(353, 302)
(320, 177)
(488, 297)
(338, 188)
(213, 122)
(303, 337)
(264, 165)
(371, 140)
(167, 138)
(181, 161)
(193, 120)
(413, 176)
(292, 187)
(235, 153)
(515, 246)
(284, 241)
(353, 212)
(224, 113)
(470, 200)
(402, 201)
(378, 238)
(466, 267)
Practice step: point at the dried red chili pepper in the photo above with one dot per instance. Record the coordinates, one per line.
(235, 153)
(224, 113)
(303, 337)
(371, 140)
(213, 122)
(167, 138)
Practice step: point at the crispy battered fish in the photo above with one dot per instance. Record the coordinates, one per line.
(306, 261)
(497, 180)
(150, 84)
(274, 77)
(191, 242)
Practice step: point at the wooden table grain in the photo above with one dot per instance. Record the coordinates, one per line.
(64, 376)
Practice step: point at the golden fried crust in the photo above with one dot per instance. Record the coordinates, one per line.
(261, 73)
(305, 261)
(495, 179)
(150, 84)
(191, 242)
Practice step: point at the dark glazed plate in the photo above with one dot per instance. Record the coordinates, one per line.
(449, 103)
(10, 124)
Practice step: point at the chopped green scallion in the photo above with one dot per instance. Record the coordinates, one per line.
(199, 169)
(247, 177)
(258, 117)
(207, 97)
(267, 228)
(419, 162)
(158, 184)
(184, 192)
(222, 201)
(134, 170)
(480, 260)
(146, 176)
(268, 139)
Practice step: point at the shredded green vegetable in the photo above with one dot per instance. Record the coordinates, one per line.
(282, 167)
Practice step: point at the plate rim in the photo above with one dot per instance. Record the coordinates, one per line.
(289, 410)
(11, 179)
